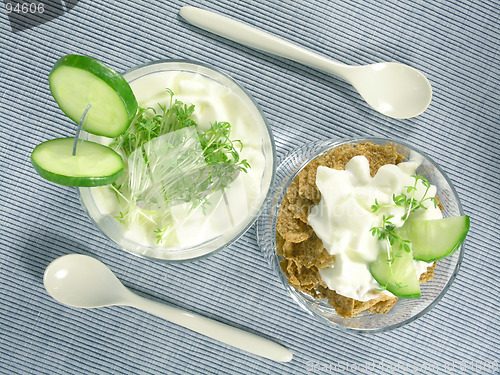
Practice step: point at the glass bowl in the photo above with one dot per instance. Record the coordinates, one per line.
(217, 97)
(405, 310)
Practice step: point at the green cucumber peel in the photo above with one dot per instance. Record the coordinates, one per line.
(93, 164)
(395, 272)
(76, 81)
(433, 240)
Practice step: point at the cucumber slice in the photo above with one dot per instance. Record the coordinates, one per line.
(93, 164)
(76, 81)
(435, 239)
(399, 276)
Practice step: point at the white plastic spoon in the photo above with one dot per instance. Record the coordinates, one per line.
(82, 281)
(394, 89)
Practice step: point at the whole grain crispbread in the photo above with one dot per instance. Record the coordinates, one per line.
(429, 274)
(305, 279)
(308, 253)
(383, 307)
(290, 228)
(348, 307)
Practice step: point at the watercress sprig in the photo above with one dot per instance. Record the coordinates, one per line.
(219, 153)
(387, 231)
(409, 203)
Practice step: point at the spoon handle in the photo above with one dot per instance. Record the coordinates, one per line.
(219, 331)
(252, 37)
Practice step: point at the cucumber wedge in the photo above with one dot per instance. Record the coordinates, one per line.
(76, 81)
(399, 276)
(93, 164)
(435, 239)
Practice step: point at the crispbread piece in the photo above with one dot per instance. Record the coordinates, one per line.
(366, 305)
(280, 241)
(290, 228)
(301, 209)
(292, 193)
(348, 307)
(320, 292)
(338, 157)
(307, 182)
(302, 278)
(343, 305)
(383, 307)
(308, 253)
(299, 206)
(379, 155)
(428, 275)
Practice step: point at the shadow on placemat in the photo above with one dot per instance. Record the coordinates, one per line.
(45, 246)
(27, 14)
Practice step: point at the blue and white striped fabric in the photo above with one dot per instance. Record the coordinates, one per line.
(455, 43)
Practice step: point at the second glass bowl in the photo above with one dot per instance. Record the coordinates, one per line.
(405, 310)
(217, 97)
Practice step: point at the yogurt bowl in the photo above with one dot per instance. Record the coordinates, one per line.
(187, 231)
(404, 310)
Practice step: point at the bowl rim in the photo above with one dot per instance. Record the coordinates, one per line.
(319, 147)
(191, 65)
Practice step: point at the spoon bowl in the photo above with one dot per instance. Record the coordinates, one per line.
(393, 89)
(82, 281)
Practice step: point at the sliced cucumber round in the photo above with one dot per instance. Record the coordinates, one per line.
(435, 239)
(398, 275)
(76, 81)
(93, 164)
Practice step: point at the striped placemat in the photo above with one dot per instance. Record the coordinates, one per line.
(456, 44)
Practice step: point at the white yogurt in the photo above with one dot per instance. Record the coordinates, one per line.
(343, 218)
(229, 210)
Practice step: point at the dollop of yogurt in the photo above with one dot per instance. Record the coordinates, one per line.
(344, 216)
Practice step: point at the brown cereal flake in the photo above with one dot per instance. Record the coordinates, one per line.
(348, 307)
(302, 278)
(280, 241)
(299, 206)
(320, 292)
(343, 305)
(291, 228)
(307, 183)
(338, 157)
(308, 253)
(428, 275)
(383, 307)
